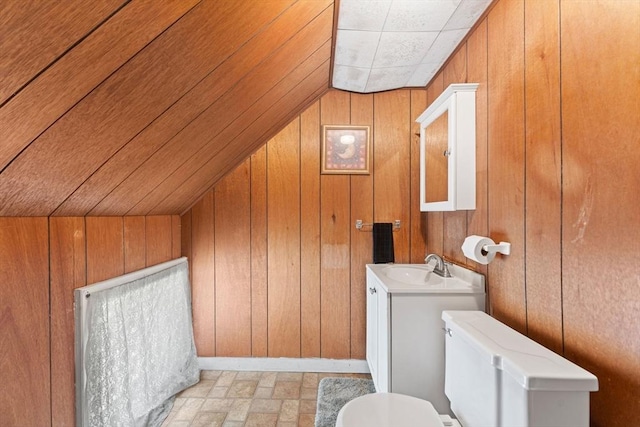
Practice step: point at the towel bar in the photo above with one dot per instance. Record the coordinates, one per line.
(360, 225)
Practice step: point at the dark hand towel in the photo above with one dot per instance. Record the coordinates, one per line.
(382, 243)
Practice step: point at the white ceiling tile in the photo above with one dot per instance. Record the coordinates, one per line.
(423, 73)
(350, 78)
(419, 15)
(467, 14)
(388, 78)
(444, 45)
(363, 15)
(355, 48)
(418, 36)
(401, 49)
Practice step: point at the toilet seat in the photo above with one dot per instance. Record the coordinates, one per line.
(391, 410)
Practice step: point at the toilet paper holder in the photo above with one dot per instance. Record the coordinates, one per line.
(503, 248)
(483, 250)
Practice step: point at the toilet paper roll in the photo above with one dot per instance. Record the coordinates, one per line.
(472, 249)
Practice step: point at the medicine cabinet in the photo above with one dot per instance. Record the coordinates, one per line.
(448, 150)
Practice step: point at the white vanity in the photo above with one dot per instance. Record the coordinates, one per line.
(405, 336)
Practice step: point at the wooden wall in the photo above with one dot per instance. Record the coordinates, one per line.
(278, 266)
(557, 151)
(41, 261)
(558, 148)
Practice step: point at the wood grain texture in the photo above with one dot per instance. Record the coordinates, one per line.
(506, 159)
(233, 263)
(600, 82)
(105, 248)
(435, 222)
(251, 100)
(67, 259)
(159, 237)
(477, 220)
(176, 237)
(455, 223)
(335, 224)
(543, 221)
(34, 34)
(186, 241)
(361, 206)
(64, 82)
(25, 398)
(240, 142)
(166, 142)
(418, 225)
(135, 251)
(203, 276)
(283, 238)
(259, 252)
(310, 231)
(391, 154)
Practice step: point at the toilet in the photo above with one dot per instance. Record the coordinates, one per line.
(494, 376)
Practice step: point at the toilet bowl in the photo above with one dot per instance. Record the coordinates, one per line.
(494, 376)
(391, 409)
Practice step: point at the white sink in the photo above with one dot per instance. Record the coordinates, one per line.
(413, 275)
(421, 278)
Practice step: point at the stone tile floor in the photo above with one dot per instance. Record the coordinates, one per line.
(250, 399)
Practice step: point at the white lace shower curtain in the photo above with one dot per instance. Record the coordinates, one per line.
(139, 349)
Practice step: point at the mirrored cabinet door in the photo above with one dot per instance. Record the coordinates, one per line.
(447, 151)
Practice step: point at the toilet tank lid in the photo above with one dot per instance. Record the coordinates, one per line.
(533, 366)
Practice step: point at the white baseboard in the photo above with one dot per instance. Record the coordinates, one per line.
(283, 364)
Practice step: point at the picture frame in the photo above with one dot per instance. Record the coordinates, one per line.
(345, 150)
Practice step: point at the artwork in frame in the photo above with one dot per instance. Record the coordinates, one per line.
(345, 149)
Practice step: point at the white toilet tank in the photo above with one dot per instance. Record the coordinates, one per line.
(496, 376)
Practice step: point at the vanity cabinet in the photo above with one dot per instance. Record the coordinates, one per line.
(405, 338)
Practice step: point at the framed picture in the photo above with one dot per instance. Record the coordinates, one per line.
(345, 149)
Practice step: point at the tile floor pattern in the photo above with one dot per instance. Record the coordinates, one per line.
(250, 399)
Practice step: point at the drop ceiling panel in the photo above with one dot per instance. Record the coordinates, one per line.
(402, 42)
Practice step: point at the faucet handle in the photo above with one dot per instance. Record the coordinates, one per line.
(445, 269)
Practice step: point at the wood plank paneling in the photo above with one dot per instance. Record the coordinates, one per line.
(176, 237)
(142, 89)
(478, 222)
(310, 231)
(186, 240)
(455, 223)
(543, 174)
(135, 251)
(251, 100)
(283, 239)
(202, 275)
(233, 263)
(506, 155)
(335, 225)
(166, 141)
(159, 239)
(242, 142)
(102, 52)
(435, 222)
(361, 204)
(259, 252)
(67, 272)
(418, 225)
(25, 397)
(391, 154)
(34, 34)
(600, 81)
(105, 248)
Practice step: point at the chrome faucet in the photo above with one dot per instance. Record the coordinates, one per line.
(441, 268)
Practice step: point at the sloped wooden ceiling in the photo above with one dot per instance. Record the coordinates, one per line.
(112, 107)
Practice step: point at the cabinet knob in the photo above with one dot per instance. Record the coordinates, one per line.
(372, 291)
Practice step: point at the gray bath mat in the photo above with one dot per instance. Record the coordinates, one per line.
(334, 393)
